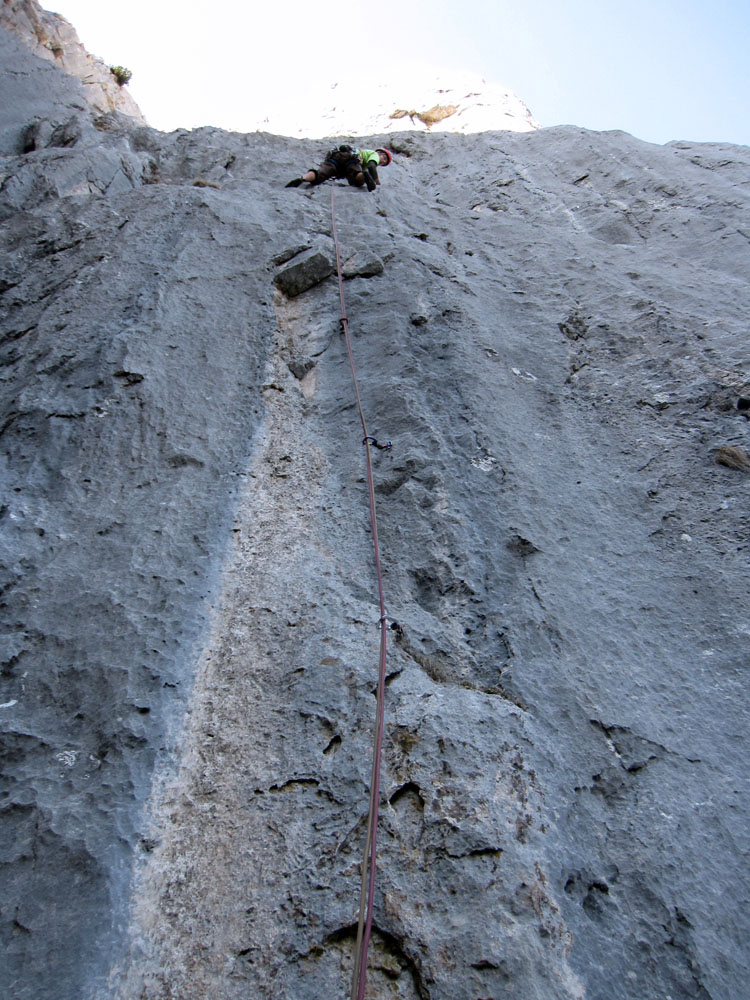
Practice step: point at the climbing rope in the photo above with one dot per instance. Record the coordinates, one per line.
(367, 891)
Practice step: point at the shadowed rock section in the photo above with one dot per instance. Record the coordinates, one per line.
(551, 328)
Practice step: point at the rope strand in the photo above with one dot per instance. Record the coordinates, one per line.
(367, 890)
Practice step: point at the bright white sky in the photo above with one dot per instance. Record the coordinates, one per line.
(660, 69)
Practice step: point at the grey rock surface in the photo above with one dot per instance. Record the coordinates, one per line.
(50, 37)
(556, 344)
(38, 90)
(303, 271)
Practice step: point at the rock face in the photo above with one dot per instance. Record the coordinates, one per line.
(51, 37)
(551, 328)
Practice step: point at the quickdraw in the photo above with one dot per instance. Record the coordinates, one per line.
(371, 440)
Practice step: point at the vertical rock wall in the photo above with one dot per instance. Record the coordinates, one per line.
(551, 328)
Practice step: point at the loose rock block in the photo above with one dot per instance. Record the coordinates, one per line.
(304, 271)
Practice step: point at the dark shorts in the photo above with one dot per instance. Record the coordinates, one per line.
(350, 170)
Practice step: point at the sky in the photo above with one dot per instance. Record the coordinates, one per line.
(661, 70)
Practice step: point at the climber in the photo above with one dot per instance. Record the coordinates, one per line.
(371, 160)
(358, 166)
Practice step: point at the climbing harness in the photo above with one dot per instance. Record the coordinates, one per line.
(367, 891)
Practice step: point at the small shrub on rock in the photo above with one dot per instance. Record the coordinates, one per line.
(121, 74)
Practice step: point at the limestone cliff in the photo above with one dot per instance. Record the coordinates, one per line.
(51, 37)
(551, 328)
(413, 99)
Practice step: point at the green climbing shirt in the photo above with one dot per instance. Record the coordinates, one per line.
(368, 156)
